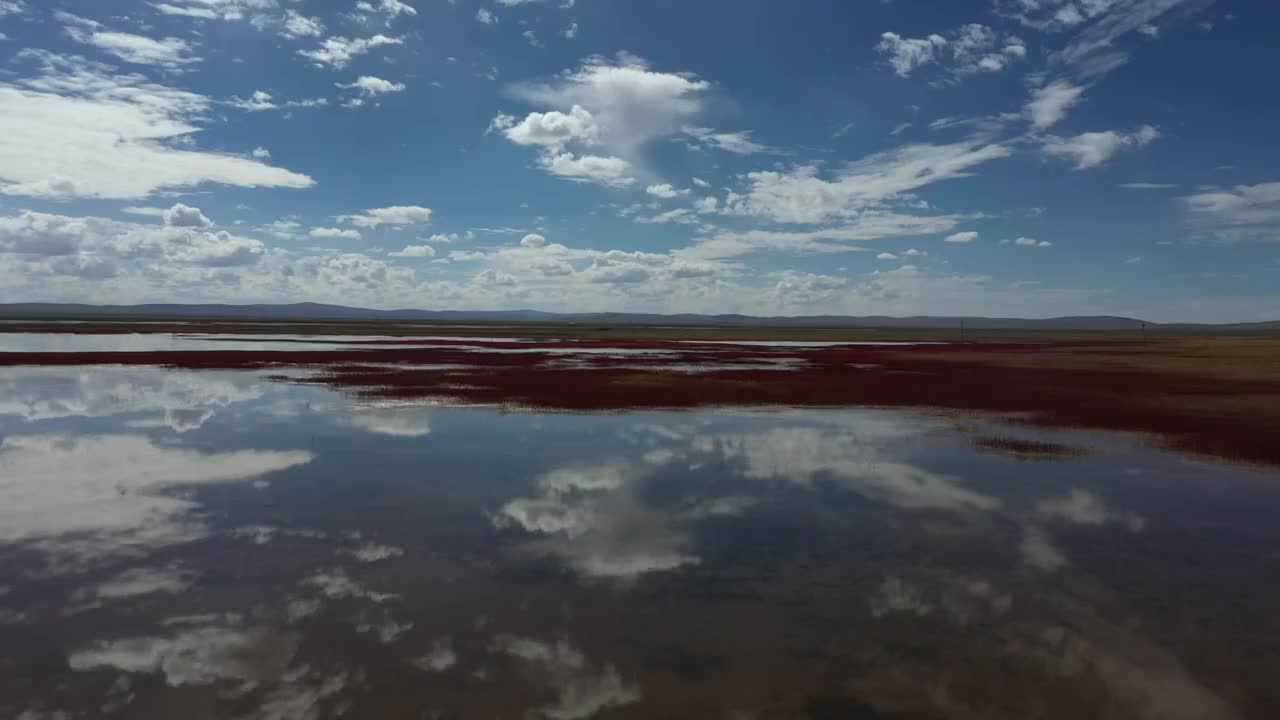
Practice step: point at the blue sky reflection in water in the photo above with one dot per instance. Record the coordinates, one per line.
(244, 548)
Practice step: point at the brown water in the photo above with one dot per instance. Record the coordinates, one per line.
(215, 545)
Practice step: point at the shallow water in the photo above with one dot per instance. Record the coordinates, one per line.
(217, 545)
(193, 342)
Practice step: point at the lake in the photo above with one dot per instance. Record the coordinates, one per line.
(231, 544)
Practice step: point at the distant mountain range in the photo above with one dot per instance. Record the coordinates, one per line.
(315, 311)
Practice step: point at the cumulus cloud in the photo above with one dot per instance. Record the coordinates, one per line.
(261, 153)
(257, 102)
(108, 242)
(370, 86)
(1089, 150)
(392, 8)
(343, 233)
(970, 49)
(336, 51)
(183, 216)
(1031, 242)
(622, 105)
(665, 191)
(75, 109)
(394, 215)
(533, 240)
(610, 171)
(486, 17)
(552, 130)
(415, 251)
(961, 237)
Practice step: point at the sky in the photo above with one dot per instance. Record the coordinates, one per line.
(1027, 158)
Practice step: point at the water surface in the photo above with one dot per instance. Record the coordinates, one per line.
(218, 545)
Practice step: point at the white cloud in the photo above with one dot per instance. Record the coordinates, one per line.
(532, 38)
(415, 251)
(183, 216)
(343, 233)
(533, 240)
(680, 215)
(261, 153)
(968, 50)
(886, 256)
(1092, 149)
(610, 171)
(1050, 103)
(1147, 186)
(486, 17)
(872, 225)
(283, 229)
(1114, 18)
(736, 142)
(296, 25)
(370, 86)
(106, 242)
(169, 53)
(570, 32)
(1244, 213)
(493, 277)
(393, 8)
(907, 54)
(75, 110)
(259, 101)
(1031, 242)
(631, 103)
(394, 215)
(800, 196)
(699, 182)
(665, 191)
(337, 51)
(961, 237)
(552, 130)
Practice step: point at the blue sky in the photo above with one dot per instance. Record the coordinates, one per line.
(997, 157)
